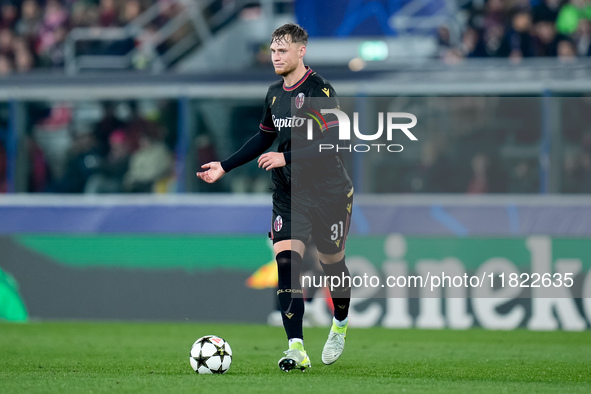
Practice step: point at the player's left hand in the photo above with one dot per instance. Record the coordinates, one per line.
(271, 160)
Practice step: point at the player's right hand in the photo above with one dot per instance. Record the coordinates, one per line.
(214, 172)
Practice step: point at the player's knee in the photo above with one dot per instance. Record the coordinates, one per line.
(332, 258)
(285, 258)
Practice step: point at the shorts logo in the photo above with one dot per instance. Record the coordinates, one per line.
(278, 225)
(299, 101)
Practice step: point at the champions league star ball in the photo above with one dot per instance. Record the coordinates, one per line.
(210, 354)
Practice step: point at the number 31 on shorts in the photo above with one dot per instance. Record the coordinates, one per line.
(338, 230)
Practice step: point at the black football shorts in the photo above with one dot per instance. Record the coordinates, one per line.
(328, 225)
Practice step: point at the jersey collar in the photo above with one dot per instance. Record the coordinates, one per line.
(298, 83)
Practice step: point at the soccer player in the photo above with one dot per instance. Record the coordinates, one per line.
(313, 193)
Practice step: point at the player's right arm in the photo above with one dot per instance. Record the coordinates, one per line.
(254, 147)
(213, 173)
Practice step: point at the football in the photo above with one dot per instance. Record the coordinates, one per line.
(210, 355)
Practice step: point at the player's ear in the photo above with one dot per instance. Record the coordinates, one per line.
(302, 50)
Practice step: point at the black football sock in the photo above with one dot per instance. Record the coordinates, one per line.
(290, 294)
(341, 295)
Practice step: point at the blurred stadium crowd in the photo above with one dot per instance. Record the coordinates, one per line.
(33, 32)
(103, 147)
(520, 29)
(131, 146)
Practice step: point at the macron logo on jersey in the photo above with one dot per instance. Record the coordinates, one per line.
(293, 121)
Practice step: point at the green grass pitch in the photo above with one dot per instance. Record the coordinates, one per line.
(89, 357)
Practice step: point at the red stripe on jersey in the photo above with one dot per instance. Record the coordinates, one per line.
(298, 83)
(266, 128)
(329, 125)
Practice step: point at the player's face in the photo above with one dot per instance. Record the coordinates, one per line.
(286, 56)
